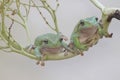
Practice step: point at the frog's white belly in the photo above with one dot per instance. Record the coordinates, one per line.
(47, 50)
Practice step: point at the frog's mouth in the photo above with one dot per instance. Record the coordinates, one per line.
(89, 36)
(87, 33)
(52, 50)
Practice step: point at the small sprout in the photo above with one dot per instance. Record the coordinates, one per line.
(0, 7)
(46, 22)
(14, 12)
(7, 1)
(10, 29)
(43, 0)
(58, 4)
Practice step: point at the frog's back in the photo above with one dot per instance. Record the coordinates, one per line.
(46, 36)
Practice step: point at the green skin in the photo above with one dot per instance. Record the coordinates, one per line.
(84, 24)
(49, 44)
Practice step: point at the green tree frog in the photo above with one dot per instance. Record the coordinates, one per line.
(86, 33)
(49, 44)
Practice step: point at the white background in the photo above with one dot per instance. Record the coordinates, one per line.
(101, 62)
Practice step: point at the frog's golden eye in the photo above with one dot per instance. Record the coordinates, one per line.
(61, 39)
(45, 41)
(82, 23)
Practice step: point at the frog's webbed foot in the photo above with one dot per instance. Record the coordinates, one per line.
(78, 52)
(109, 35)
(40, 62)
(39, 56)
(68, 49)
(81, 53)
(75, 50)
(65, 52)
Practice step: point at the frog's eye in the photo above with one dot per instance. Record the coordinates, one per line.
(82, 23)
(61, 39)
(96, 19)
(45, 41)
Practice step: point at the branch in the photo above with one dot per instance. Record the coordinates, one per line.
(52, 12)
(10, 42)
(98, 4)
(107, 14)
(60, 56)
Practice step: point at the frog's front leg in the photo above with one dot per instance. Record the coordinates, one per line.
(79, 45)
(77, 51)
(72, 50)
(30, 48)
(67, 48)
(40, 56)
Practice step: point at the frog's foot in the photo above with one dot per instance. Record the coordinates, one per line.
(109, 35)
(80, 52)
(65, 52)
(38, 62)
(41, 62)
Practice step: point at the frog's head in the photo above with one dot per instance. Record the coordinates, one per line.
(86, 23)
(53, 40)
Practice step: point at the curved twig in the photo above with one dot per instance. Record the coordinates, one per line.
(107, 15)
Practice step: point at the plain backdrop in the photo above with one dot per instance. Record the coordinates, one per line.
(101, 62)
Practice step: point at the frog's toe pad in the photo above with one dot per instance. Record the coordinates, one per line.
(66, 53)
(81, 54)
(38, 62)
(42, 64)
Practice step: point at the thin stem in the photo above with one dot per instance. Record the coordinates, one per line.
(43, 16)
(2, 15)
(31, 5)
(16, 21)
(98, 4)
(17, 48)
(52, 13)
(107, 15)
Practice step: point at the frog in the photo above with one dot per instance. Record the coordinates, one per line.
(49, 44)
(86, 33)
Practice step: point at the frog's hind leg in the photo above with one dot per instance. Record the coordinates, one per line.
(40, 61)
(39, 56)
